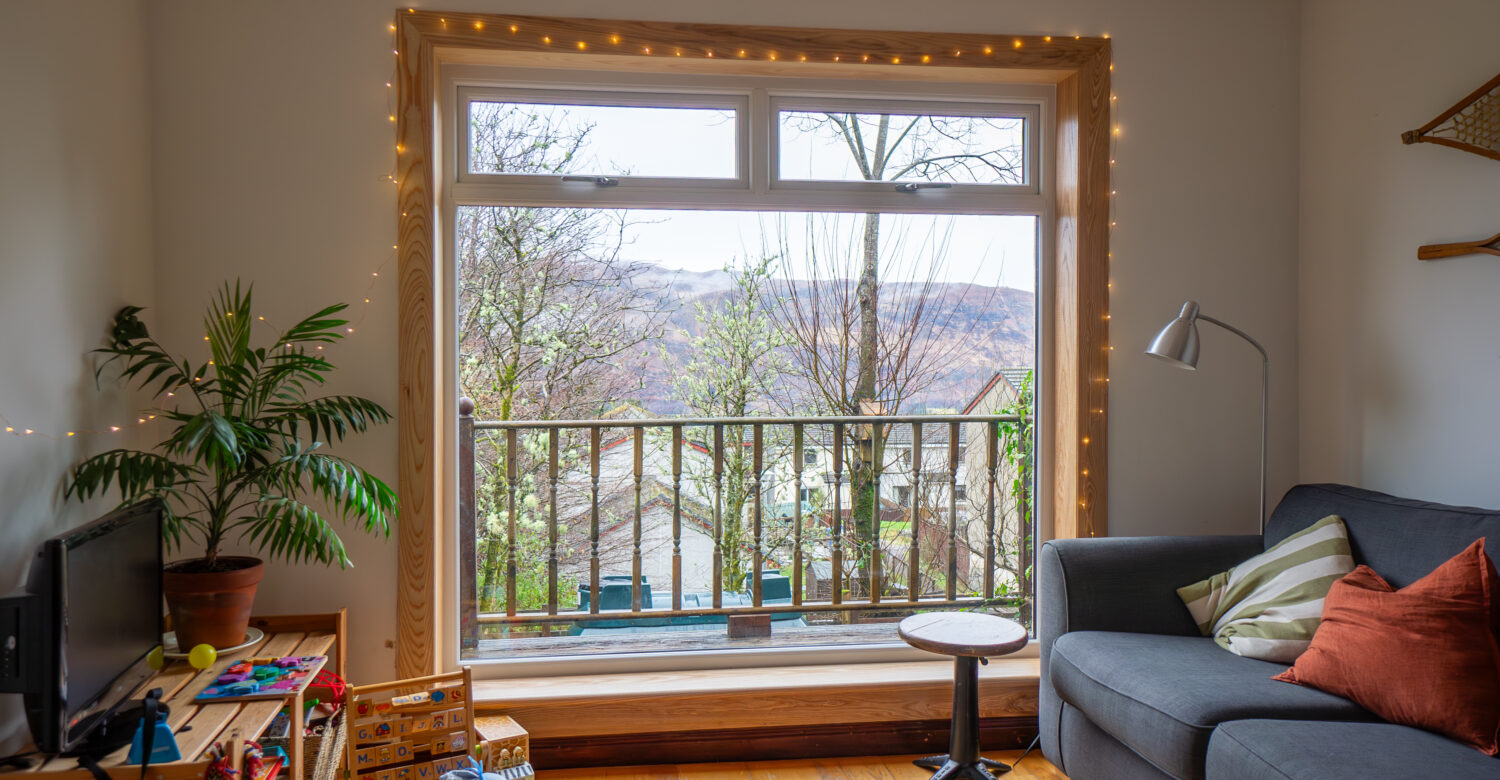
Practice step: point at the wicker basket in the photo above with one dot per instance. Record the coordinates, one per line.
(319, 751)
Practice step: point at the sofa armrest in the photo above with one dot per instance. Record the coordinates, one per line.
(1127, 584)
(1119, 584)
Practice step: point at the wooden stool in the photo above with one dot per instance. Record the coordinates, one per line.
(970, 638)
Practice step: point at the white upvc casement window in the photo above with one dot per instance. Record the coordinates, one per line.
(736, 143)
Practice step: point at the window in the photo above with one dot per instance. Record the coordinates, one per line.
(592, 137)
(680, 246)
(1078, 187)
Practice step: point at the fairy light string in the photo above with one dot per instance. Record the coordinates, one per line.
(617, 42)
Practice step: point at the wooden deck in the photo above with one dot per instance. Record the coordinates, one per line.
(1034, 767)
(669, 641)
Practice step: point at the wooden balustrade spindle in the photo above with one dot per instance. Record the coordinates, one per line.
(952, 587)
(756, 556)
(914, 558)
(718, 516)
(594, 594)
(877, 455)
(468, 583)
(676, 517)
(635, 555)
(837, 531)
(552, 478)
(796, 513)
(510, 536)
(991, 453)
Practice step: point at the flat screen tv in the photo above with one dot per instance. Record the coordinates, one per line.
(74, 642)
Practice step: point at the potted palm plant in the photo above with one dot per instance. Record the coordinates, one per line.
(243, 458)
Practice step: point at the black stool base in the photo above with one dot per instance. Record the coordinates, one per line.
(948, 769)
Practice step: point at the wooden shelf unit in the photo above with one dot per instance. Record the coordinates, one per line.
(210, 723)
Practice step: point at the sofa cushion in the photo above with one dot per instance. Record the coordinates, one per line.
(1162, 696)
(1303, 750)
(1401, 538)
(1423, 656)
(1268, 607)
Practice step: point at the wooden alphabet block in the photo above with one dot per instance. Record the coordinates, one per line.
(411, 700)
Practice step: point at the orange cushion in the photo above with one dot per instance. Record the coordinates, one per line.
(1425, 655)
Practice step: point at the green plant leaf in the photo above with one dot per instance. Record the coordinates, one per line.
(236, 438)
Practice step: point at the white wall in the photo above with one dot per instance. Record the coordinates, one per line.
(1399, 364)
(74, 248)
(271, 144)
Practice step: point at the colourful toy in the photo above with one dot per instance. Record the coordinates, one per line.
(156, 658)
(202, 656)
(263, 678)
(163, 744)
(409, 730)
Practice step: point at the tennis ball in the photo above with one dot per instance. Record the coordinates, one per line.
(202, 656)
(156, 658)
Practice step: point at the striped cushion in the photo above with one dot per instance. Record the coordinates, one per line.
(1268, 607)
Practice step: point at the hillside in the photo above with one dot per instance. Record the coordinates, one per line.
(987, 328)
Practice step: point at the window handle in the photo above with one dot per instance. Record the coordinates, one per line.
(597, 181)
(913, 186)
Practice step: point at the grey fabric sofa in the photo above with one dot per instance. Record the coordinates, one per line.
(1129, 689)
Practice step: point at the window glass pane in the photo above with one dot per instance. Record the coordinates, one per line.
(830, 146)
(580, 313)
(556, 139)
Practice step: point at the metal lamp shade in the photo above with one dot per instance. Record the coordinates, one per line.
(1177, 343)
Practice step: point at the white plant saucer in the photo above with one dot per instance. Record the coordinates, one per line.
(169, 648)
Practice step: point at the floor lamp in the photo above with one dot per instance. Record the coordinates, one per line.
(1177, 344)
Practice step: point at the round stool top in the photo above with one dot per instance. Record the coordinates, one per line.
(963, 633)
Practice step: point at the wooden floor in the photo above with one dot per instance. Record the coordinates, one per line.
(872, 768)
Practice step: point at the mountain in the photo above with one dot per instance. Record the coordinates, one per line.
(983, 329)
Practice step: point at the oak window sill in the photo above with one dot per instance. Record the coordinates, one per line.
(788, 696)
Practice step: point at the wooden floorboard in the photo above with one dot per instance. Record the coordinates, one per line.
(1034, 767)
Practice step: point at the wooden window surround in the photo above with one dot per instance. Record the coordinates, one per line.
(1073, 410)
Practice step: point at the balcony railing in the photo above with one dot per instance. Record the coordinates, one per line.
(575, 486)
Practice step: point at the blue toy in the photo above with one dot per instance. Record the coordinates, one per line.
(163, 744)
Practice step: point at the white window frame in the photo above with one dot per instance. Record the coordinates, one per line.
(1030, 113)
(739, 104)
(461, 82)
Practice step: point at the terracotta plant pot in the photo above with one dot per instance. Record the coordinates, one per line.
(211, 608)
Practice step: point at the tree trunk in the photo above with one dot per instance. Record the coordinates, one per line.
(863, 465)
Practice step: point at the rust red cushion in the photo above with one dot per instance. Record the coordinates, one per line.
(1425, 655)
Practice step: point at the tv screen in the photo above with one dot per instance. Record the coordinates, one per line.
(99, 613)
